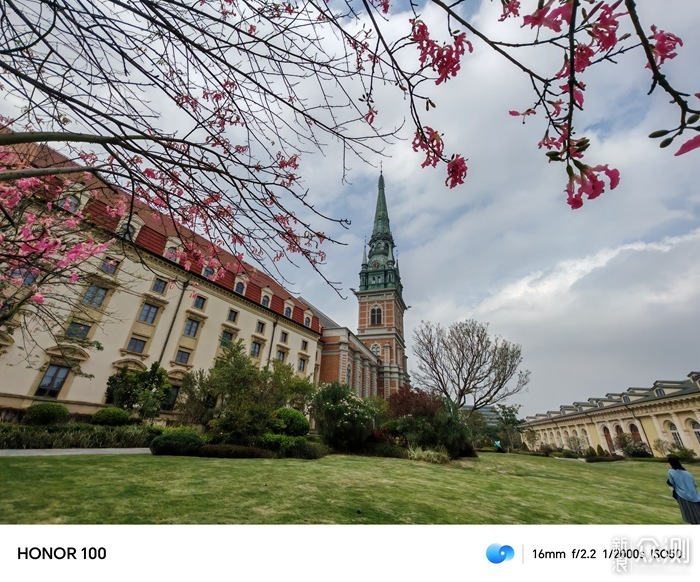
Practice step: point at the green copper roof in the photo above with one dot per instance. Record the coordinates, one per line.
(379, 268)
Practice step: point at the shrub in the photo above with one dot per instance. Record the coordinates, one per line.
(546, 450)
(344, 420)
(297, 447)
(233, 452)
(46, 413)
(111, 416)
(568, 454)
(177, 441)
(81, 436)
(604, 459)
(439, 456)
(590, 452)
(683, 454)
(601, 452)
(291, 422)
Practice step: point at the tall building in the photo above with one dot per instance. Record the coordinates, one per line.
(381, 306)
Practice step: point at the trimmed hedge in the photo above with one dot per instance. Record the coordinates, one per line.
(604, 459)
(179, 441)
(75, 436)
(46, 413)
(233, 452)
(111, 416)
(297, 447)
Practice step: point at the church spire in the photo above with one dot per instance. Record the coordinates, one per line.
(379, 267)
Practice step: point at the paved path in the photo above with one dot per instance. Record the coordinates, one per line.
(56, 452)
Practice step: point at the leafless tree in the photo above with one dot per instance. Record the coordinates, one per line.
(465, 364)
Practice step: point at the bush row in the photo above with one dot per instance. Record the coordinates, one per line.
(78, 436)
(187, 442)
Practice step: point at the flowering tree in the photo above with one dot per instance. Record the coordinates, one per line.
(204, 111)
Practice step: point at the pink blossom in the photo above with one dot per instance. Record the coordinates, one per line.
(589, 184)
(456, 171)
(664, 46)
(431, 143)
(37, 298)
(510, 8)
(691, 144)
(548, 18)
(370, 115)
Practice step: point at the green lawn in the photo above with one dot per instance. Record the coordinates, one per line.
(338, 489)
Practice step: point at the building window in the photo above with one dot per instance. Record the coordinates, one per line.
(171, 399)
(634, 431)
(695, 426)
(28, 276)
(191, 328)
(148, 313)
(171, 253)
(255, 349)
(95, 296)
(283, 337)
(302, 364)
(626, 399)
(232, 315)
(159, 286)
(675, 435)
(109, 265)
(70, 203)
(53, 381)
(265, 301)
(307, 321)
(376, 350)
(77, 330)
(226, 338)
(208, 272)
(281, 354)
(304, 345)
(660, 392)
(376, 316)
(288, 312)
(182, 356)
(240, 288)
(136, 345)
(128, 231)
(199, 302)
(260, 328)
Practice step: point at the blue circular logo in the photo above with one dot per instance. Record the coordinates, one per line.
(496, 553)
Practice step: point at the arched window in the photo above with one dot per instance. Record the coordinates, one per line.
(265, 301)
(608, 439)
(70, 203)
(375, 315)
(634, 431)
(584, 437)
(376, 350)
(171, 253)
(128, 231)
(618, 429)
(288, 312)
(673, 429)
(695, 426)
(208, 272)
(307, 321)
(349, 377)
(240, 288)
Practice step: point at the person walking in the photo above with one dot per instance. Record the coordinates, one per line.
(685, 491)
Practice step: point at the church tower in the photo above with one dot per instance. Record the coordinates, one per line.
(381, 305)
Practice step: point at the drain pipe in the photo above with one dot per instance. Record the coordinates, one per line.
(185, 284)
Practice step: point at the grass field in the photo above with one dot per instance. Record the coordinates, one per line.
(338, 489)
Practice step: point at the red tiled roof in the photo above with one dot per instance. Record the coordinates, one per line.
(158, 227)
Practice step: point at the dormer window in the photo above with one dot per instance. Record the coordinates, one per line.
(659, 392)
(307, 321)
(265, 301)
(172, 253)
(288, 312)
(626, 399)
(70, 203)
(208, 272)
(127, 231)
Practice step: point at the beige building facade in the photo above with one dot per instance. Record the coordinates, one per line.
(668, 411)
(151, 298)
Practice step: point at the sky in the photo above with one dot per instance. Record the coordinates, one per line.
(602, 298)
